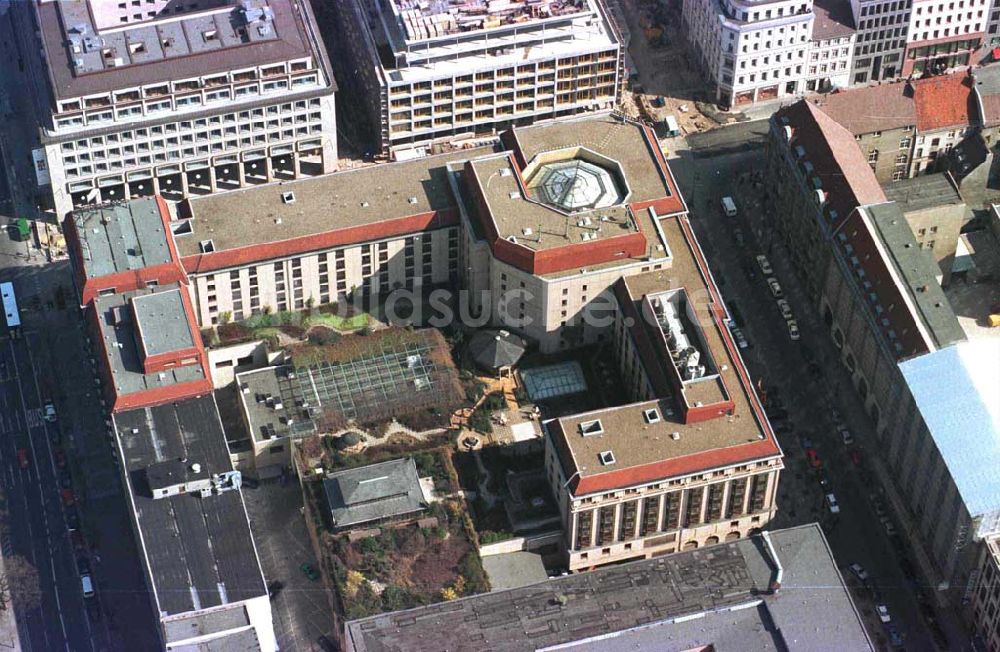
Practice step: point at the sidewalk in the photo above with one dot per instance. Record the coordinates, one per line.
(9, 639)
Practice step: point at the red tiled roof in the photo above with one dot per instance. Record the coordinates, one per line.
(871, 108)
(835, 157)
(945, 101)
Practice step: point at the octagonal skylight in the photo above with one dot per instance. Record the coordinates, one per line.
(576, 185)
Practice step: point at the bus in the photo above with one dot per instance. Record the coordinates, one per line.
(10, 308)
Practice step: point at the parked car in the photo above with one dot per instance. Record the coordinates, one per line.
(793, 329)
(846, 436)
(83, 565)
(60, 458)
(72, 519)
(895, 637)
(855, 456)
(87, 585)
(786, 309)
(76, 537)
(883, 613)
(309, 572)
(67, 497)
(274, 588)
(831, 502)
(741, 340)
(50, 411)
(890, 529)
(775, 287)
(765, 265)
(813, 456)
(859, 572)
(22, 458)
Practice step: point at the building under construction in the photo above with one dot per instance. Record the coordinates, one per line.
(442, 70)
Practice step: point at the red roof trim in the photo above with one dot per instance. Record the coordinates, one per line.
(674, 467)
(203, 263)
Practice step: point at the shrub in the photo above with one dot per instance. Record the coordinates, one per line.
(494, 402)
(232, 331)
(293, 330)
(488, 536)
(371, 546)
(472, 569)
(480, 422)
(321, 336)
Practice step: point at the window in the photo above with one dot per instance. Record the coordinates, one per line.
(873, 156)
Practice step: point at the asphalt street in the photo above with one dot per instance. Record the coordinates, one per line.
(50, 361)
(856, 534)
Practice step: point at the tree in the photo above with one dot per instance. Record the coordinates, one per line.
(19, 584)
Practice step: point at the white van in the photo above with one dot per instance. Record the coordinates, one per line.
(729, 206)
(87, 585)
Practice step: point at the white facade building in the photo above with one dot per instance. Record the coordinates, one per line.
(435, 72)
(752, 51)
(182, 99)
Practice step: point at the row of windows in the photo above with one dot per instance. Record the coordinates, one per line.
(166, 105)
(165, 156)
(187, 125)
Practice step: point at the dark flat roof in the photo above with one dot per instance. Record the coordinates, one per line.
(121, 237)
(719, 593)
(294, 39)
(918, 272)
(925, 191)
(200, 550)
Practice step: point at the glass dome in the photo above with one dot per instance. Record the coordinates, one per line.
(576, 185)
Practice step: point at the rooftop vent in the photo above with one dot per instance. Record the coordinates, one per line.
(207, 246)
(607, 457)
(504, 172)
(412, 200)
(651, 415)
(288, 197)
(590, 428)
(512, 238)
(675, 435)
(514, 194)
(196, 468)
(526, 231)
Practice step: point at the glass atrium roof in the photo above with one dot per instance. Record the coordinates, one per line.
(576, 185)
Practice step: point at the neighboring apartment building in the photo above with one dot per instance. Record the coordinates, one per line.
(944, 35)
(882, 27)
(832, 47)
(936, 212)
(778, 590)
(433, 71)
(985, 606)
(904, 128)
(751, 51)
(181, 99)
(877, 292)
